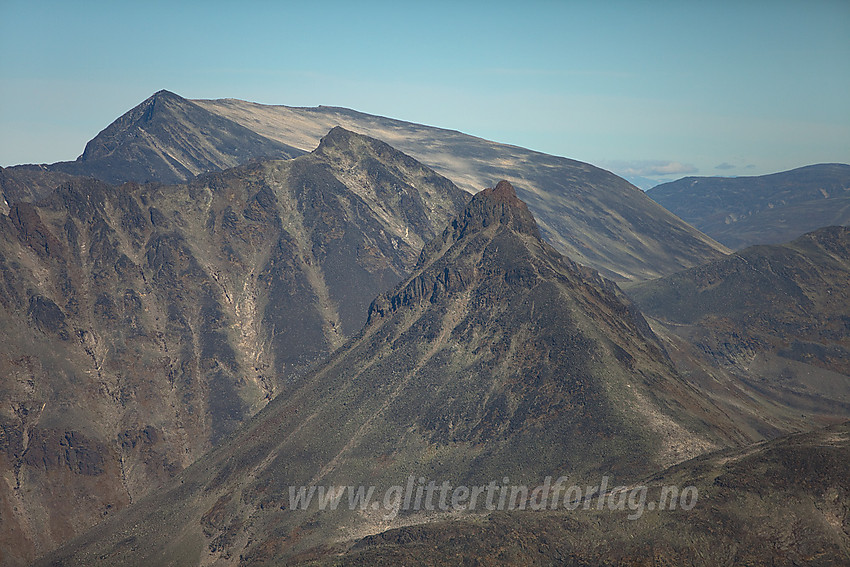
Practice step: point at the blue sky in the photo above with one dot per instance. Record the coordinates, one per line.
(655, 89)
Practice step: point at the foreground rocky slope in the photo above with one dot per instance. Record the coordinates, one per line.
(497, 357)
(767, 209)
(141, 324)
(786, 502)
(591, 215)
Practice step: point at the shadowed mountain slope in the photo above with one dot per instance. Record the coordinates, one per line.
(497, 357)
(141, 324)
(777, 317)
(767, 209)
(786, 502)
(169, 139)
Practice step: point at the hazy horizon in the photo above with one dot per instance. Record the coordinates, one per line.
(659, 91)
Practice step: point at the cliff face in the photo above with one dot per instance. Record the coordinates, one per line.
(141, 324)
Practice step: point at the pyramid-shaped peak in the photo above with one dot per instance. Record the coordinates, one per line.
(339, 132)
(503, 191)
(496, 208)
(337, 136)
(166, 93)
(501, 204)
(160, 96)
(504, 194)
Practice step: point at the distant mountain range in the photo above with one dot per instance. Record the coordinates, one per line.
(644, 183)
(768, 209)
(590, 214)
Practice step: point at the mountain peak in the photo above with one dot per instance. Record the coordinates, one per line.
(337, 137)
(503, 191)
(338, 132)
(144, 112)
(497, 205)
(170, 139)
(166, 93)
(500, 204)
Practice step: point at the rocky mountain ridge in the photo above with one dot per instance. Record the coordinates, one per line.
(142, 323)
(776, 318)
(497, 357)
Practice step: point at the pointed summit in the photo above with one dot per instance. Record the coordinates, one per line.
(162, 103)
(503, 191)
(495, 208)
(340, 144)
(163, 93)
(169, 139)
(336, 137)
(501, 204)
(393, 182)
